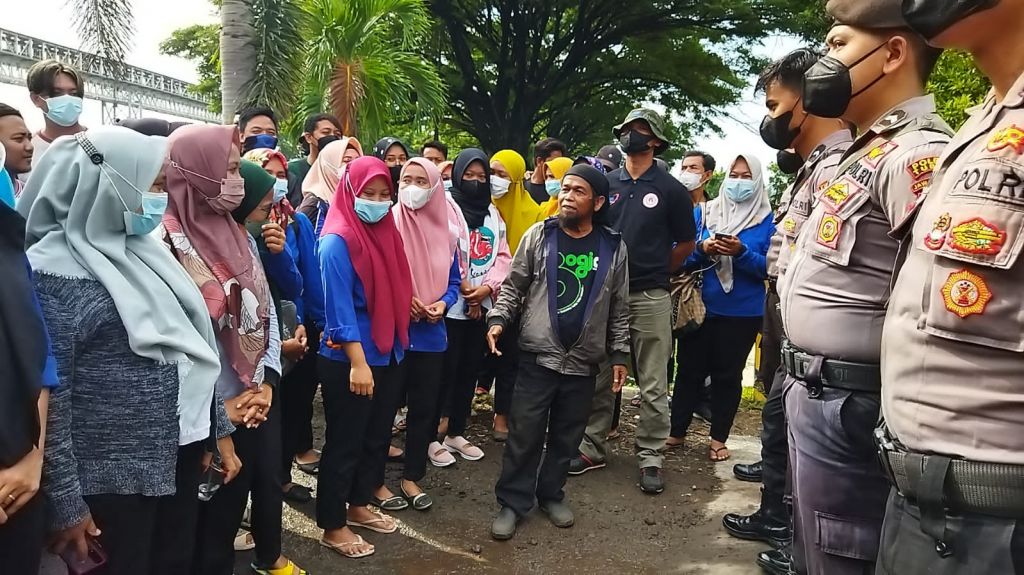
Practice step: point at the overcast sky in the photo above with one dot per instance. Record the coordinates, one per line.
(156, 19)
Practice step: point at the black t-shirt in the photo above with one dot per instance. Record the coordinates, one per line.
(577, 267)
(538, 192)
(653, 213)
(297, 170)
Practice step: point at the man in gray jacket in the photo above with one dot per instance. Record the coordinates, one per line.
(569, 286)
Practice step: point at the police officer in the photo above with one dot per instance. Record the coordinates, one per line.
(952, 365)
(822, 141)
(837, 285)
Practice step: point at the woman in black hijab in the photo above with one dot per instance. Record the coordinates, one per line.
(395, 154)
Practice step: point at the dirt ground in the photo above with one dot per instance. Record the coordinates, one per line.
(618, 528)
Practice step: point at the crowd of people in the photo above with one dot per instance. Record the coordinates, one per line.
(177, 294)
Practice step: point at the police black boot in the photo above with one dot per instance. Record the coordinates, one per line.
(776, 561)
(758, 527)
(751, 473)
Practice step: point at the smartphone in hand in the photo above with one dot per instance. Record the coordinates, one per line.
(723, 236)
(95, 558)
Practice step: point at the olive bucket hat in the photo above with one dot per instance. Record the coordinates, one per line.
(653, 119)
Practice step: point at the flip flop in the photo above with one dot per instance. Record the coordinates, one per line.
(311, 468)
(298, 494)
(713, 455)
(347, 549)
(372, 524)
(244, 542)
(290, 569)
(393, 503)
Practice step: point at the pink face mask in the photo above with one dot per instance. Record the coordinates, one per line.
(232, 191)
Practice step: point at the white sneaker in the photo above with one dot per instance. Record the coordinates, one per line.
(439, 456)
(463, 447)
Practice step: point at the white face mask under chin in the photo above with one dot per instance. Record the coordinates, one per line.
(499, 186)
(414, 197)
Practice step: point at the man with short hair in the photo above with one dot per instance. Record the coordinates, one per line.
(544, 150)
(17, 142)
(837, 285)
(654, 214)
(576, 268)
(703, 166)
(59, 91)
(952, 390)
(318, 131)
(822, 141)
(435, 151)
(257, 128)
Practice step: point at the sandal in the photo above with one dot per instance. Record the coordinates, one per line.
(347, 549)
(420, 502)
(713, 455)
(298, 494)
(398, 457)
(393, 503)
(635, 402)
(372, 524)
(311, 468)
(244, 541)
(290, 569)
(672, 442)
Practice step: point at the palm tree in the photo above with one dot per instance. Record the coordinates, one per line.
(106, 28)
(237, 55)
(363, 62)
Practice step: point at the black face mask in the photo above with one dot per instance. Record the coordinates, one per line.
(776, 131)
(396, 172)
(789, 162)
(828, 88)
(634, 142)
(929, 18)
(322, 142)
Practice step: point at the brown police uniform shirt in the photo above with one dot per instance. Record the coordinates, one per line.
(952, 362)
(836, 290)
(798, 200)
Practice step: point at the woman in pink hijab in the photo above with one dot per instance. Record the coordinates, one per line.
(421, 216)
(322, 180)
(368, 301)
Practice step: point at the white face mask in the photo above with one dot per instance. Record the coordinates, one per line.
(690, 180)
(499, 186)
(414, 197)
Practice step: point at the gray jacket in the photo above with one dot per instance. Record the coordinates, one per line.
(526, 292)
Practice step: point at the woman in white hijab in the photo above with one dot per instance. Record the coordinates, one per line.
(735, 231)
(135, 351)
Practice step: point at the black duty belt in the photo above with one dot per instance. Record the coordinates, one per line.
(817, 372)
(957, 485)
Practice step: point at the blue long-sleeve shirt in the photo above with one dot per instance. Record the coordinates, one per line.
(301, 242)
(347, 317)
(433, 337)
(749, 270)
(282, 272)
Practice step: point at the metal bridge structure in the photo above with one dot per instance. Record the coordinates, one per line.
(125, 91)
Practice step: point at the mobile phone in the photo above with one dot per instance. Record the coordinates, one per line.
(723, 236)
(95, 558)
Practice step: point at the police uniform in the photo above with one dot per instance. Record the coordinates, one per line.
(952, 362)
(834, 296)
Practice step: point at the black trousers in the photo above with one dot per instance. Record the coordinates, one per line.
(979, 543)
(259, 450)
(357, 437)
(466, 347)
(718, 349)
(545, 399)
(23, 536)
(774, 450)
(151, 534)
(502, 370)
(419, 381)
(771, 340)
(298, 389)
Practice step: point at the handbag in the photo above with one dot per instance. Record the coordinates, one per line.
(688, 311)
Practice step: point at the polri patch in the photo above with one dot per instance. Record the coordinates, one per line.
(937, 237)
(829, 230)
(876, 154)
(1011, 136)
(976, 236)
(966, 293)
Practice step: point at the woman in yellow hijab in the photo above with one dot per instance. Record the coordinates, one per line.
(514, 203)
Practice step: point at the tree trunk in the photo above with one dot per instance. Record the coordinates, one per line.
(237, 55)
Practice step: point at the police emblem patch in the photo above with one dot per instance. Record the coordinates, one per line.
(976, 236)
(937, 237)
(829, 230)
(966, 293)
(876, 154)
(1011, 136)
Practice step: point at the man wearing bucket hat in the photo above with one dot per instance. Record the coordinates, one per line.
(836, 288)
(654, 214)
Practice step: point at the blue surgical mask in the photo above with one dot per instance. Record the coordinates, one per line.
(259, 141)
(447, 185)
(6, 188)
(553, 187)
(739, 190)
(280, 189)
(64, 110)
(370, 211)
(153, 207)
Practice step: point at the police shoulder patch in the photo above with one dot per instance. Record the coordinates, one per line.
(1011, 136)
(875, 155)
(966, 293)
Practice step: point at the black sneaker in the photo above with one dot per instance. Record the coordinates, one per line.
(651, 481)
(582, 464)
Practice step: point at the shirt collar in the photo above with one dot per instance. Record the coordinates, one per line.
(647, 176)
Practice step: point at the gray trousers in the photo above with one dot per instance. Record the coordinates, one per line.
(979, 543)
(650, 330)
(839, 489)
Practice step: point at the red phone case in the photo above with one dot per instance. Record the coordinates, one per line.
(95, 558)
